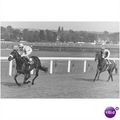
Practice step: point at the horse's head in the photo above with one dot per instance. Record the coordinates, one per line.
(98, 56)
(14, 54)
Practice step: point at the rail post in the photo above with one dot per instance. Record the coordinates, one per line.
(85, 65)
(69, 64)
(10, 68)
(51, 66)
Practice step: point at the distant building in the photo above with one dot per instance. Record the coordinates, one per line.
(101, 42)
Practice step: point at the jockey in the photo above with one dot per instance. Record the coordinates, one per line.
(25, 51)
(105, 54)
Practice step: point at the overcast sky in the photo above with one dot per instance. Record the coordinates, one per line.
(78, 26)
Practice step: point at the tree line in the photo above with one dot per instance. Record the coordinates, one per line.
(11, 34)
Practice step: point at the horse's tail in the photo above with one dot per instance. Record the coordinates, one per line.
(36, 59)
(116, 70)
(45, 69)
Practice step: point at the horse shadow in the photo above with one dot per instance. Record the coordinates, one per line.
(13, 85)
(88, 79)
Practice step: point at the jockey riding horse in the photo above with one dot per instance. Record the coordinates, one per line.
(23, 63)
(25, 51)
(104, 63)
(105, 54)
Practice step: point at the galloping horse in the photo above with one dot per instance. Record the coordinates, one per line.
(103, 66)
(22, 67)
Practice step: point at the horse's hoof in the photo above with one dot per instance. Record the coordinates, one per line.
(26, 82)
(93, 80)
(19, 85)
(32, 83)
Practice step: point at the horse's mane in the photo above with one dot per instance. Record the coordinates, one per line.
(98, 52)
(18, 56)
(16, 51)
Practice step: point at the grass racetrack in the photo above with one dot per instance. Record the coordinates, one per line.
(61, 84)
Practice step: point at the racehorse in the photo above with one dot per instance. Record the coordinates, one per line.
(103, 66)
(22, 66)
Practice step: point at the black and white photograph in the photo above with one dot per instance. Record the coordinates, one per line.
(59, 59)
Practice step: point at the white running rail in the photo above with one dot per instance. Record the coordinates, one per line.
(51, 59)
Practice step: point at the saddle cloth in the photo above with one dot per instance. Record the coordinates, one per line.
(108, 61)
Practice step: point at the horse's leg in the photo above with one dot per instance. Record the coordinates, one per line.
(108, 76)
(116, 70)
(36, 75)
(96, 75)
(17, 74)
(111, 76)
(27, 76)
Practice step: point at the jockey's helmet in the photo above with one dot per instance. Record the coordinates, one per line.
(15, 47)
